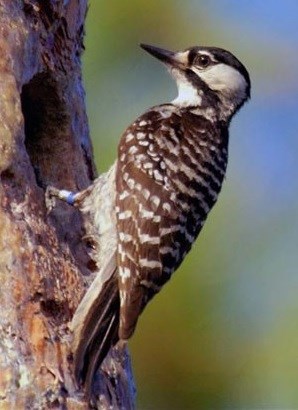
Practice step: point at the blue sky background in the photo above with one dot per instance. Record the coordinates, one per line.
(223, 334)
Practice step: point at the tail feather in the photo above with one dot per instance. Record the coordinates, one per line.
(98, 352)
(95, 324)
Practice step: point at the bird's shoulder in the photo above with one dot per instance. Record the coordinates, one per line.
(161, 122)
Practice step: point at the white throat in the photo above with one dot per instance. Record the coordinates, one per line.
(188, 95)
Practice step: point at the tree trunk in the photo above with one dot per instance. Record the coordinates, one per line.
(44, 265)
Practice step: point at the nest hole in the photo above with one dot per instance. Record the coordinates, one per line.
(46, 123)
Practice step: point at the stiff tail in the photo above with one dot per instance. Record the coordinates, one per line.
(95, 324)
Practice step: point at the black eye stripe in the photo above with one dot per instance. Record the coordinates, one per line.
(191, 56)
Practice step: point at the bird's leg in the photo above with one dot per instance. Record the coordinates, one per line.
(53, 193)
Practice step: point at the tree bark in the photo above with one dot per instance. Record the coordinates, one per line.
(44, 265)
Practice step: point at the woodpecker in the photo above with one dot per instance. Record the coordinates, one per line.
(145, 213)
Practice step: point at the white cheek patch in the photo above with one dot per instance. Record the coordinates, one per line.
(221, 77)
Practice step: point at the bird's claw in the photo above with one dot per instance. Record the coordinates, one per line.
(51, 196)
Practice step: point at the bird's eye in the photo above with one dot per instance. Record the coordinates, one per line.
(203, 61)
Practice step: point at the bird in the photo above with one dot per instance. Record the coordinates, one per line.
(144, 214)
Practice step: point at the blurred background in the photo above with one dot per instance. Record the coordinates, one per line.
(223, 334)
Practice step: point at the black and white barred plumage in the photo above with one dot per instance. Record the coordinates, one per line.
(147, 211)
(169, 173)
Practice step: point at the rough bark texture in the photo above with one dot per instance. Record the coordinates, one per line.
(44, 267)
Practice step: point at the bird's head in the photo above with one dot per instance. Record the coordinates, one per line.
(206, 71)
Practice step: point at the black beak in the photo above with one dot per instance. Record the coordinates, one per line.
(166, 56)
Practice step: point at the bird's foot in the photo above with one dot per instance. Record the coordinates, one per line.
(53, 193)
